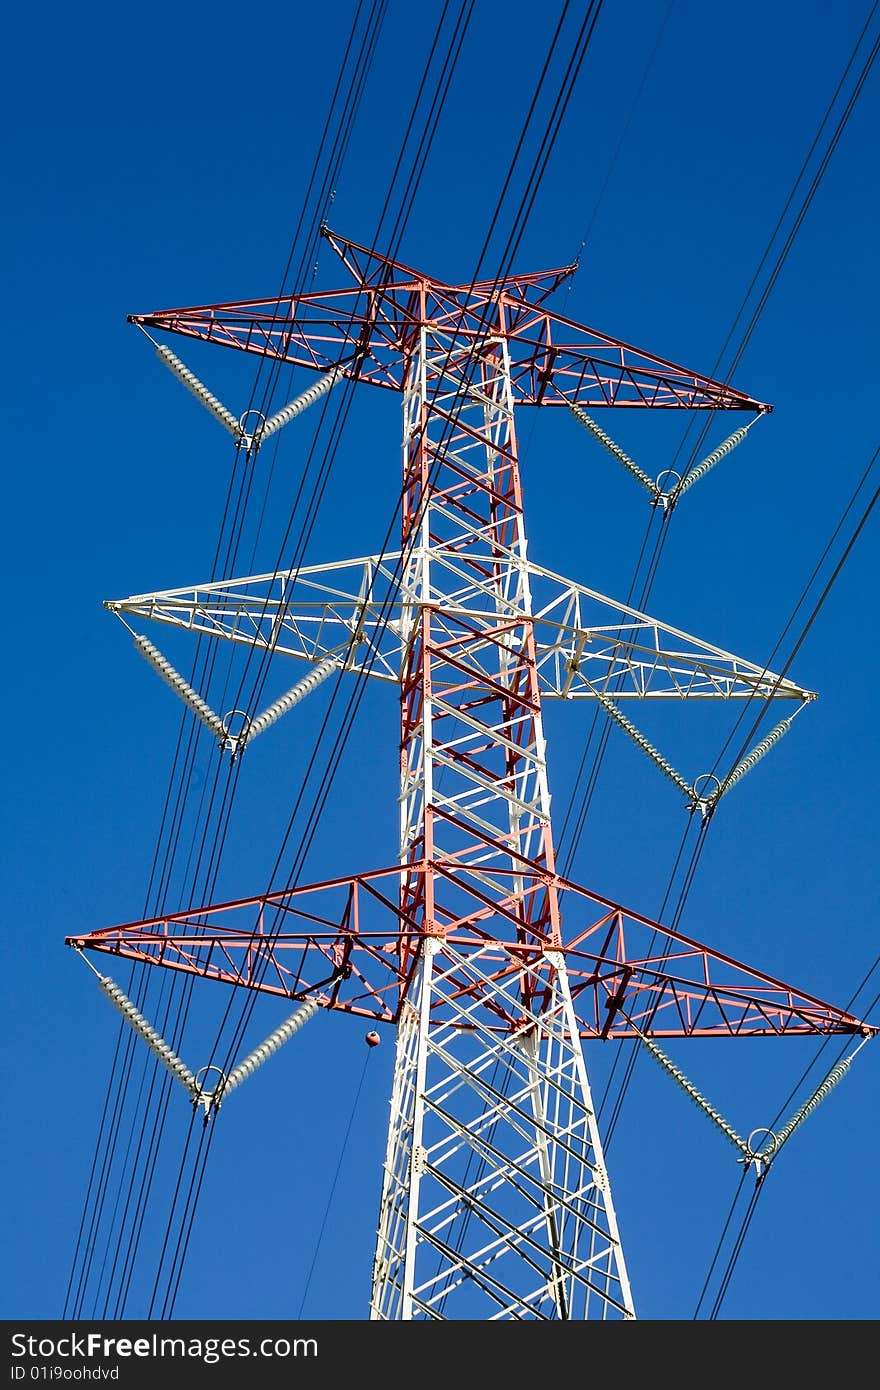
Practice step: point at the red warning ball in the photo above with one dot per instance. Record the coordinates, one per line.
(373, 1040)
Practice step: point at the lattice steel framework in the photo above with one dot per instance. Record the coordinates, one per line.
(495, 1199)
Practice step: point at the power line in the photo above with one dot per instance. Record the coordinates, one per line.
(805, 630)
(188, 763)
(331, 1194)
(513, 240)
(661, 537)
(425, 153)
(216, 851)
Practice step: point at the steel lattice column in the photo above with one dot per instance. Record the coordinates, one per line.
(495, 1199)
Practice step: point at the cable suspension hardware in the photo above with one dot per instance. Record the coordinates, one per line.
(762, 1157)
(662, 498)
(182, 688)
(210, 1100)
(224, 414)
(218, 727)
(285, 702)
(297, 406)
(696, 801)
(748, 762)
(699, 1100)
(201, 392)
(616, 450)
(776, 1141)
(646, 747)
(156, 1043)
(709, 462)
(277, 1038)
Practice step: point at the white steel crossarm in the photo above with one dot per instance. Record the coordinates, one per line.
(359, 610)
(340, 610)
(588, 643)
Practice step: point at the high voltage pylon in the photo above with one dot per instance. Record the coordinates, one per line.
(495, 1197)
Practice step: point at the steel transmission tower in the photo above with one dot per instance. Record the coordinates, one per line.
(495, 1197)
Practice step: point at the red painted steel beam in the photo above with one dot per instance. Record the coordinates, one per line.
(554, 360)
(628, 974)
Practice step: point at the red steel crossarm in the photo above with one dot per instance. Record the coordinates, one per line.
(638, 978)
(554, 361)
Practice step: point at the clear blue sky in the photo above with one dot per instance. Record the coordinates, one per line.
(159, 157)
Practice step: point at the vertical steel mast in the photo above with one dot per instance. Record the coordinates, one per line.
(495, 1199)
